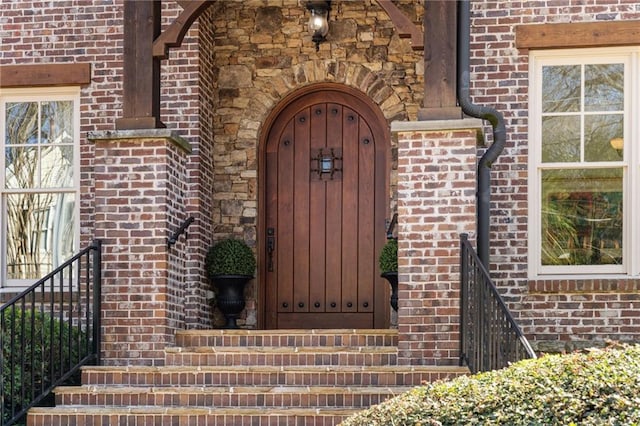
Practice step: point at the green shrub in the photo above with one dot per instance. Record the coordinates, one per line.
(26, 364)
(594, 388)
(388, 259)
(230, 257)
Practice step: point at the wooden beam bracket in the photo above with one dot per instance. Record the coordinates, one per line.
(174, 34)
(406, 28)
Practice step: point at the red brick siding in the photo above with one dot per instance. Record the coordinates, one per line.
(35, 32)
(436, 202)
(139, 186)
(500, 79)
(200, 189)
(66, 31)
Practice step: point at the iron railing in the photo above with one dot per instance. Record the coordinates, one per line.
(490, 338)
(181, 230)
(48, 332)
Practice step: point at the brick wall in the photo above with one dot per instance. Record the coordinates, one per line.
(436, 203)
(200, 176)
(92, 32)
(38, 33)
(567, 313)
(242, 58)
(140, 184)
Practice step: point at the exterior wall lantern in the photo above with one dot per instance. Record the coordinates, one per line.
(319, 20)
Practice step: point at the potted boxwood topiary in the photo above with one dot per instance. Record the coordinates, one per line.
(388, 261)
(230, 264)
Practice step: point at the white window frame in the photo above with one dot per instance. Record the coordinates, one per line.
(38, 95)
(630, 57)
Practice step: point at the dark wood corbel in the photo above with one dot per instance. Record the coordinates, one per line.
(404, 26)
(174, 34)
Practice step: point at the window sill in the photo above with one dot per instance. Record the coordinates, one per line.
(584, 284)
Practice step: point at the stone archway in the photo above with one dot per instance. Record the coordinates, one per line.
(264, 97)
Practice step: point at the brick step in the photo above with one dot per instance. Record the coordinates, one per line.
(141, 416)
(281, 356)
(268, 375)
(285, 338)
(245, 377)
(224, 396)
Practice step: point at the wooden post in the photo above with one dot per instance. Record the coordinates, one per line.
(141, 84)
(440, 48)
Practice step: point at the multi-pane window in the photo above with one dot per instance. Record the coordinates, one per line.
(38, 185)
(583, 161)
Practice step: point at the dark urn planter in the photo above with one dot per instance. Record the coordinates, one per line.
(230, 296)
(392, 277)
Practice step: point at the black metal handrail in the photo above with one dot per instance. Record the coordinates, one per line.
(181, 230)
(490, 338)
(48, 332)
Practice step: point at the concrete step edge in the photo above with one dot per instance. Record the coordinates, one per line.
(291, 332)
(305, 350)
(275, 369)
(213, 411)
(281, 389)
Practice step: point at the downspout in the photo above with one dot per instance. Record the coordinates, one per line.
(486, 113)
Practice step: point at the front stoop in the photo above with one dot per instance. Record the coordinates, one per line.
(245, 377)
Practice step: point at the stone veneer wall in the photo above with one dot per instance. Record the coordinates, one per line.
(436, 203)
(259, 52)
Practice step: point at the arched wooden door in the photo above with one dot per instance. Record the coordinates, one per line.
(325, 201)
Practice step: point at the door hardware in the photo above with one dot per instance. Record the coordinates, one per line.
(271, 246)
(327, 163)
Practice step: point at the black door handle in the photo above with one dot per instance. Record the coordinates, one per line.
(271, 246)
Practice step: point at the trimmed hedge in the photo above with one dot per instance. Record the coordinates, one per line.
(27, 368)
(388, 259)
(596, 387)
(230, 257)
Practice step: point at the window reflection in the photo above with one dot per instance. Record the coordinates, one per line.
(561, 88)
(604, 87)
(579, 120)
(40, 233)
(582, 217)
(39, 200)
(560, 139)
(598, 132)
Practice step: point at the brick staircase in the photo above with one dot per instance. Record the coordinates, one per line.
(244, 377)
